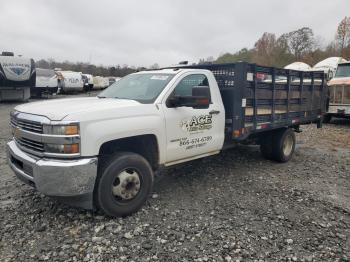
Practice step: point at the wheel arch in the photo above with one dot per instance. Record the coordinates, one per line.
(144, 145)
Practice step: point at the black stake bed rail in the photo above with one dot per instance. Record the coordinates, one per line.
(259, 98)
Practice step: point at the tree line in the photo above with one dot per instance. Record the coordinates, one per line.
(299, 45)
(87, 68)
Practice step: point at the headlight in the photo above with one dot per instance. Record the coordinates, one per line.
(63, 130)
(62, 149)
(62, 139)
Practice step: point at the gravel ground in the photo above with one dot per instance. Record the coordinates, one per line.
(235, 206)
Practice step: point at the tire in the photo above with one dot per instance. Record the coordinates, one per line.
(327, 118)
(283, 145)
(116, 185)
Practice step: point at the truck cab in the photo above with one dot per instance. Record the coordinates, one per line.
(339, 89)
(139, 114)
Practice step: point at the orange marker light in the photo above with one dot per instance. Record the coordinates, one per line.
(71, 130)
(71, 149)
(236, 133)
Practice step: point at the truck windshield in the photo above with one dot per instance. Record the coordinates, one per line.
(143, 88)
(343, 71)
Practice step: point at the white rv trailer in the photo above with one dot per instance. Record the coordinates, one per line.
(100, 82)
(47, 82)
(300, 66)
(329, 66)
(73, 81)
(17, 76)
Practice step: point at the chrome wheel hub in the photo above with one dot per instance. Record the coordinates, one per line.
(127, 184)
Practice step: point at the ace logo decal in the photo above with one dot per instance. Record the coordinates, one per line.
(197, 123)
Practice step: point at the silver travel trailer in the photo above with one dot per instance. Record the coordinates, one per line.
(100, 82)
(47, 82)
(300, 66)
(17, 76)
(73, 81)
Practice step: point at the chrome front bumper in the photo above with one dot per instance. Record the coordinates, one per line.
(70, 180)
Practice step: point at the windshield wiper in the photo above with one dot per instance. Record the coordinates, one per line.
(116, 97)
(101, 97)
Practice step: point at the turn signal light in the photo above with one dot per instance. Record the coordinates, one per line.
(71, 149)
(71, 130)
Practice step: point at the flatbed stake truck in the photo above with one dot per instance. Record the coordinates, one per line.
(101, 152)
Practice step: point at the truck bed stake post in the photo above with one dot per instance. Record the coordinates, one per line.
(273, 95)
(301, 112)
(240, 83)
(255, 105)
(288, 94)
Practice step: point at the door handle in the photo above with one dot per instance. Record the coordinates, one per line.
(214, 112)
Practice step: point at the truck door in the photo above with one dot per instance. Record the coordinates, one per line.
(192, 132)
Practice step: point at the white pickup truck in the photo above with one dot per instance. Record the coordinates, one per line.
(101, 152)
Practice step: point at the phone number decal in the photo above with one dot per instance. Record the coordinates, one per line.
(190, 143)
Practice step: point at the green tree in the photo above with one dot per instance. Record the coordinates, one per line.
(242, 55)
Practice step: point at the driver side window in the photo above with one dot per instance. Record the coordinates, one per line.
(184, 88)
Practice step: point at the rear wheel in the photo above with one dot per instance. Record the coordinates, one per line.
(124, 184)
(283, 145)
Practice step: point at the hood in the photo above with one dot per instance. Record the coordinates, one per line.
(339, 81)
(58, 109)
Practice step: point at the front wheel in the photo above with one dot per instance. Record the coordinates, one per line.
(123, 185)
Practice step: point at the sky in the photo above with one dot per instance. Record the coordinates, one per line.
(141, 33)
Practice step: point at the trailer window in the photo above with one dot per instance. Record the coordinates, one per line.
(184, 88)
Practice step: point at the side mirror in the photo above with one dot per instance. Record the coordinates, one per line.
(200, 98)
(201, 94)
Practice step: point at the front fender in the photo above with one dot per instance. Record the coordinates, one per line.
(94, 134)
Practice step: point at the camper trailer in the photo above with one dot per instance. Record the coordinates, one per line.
(329, 66)
(47, 82)
(300, 66)
(17, 76)
(73, 81)
(100, 82)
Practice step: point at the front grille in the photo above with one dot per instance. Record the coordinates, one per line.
(27, 128)
(27, 125)
(30, 144)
